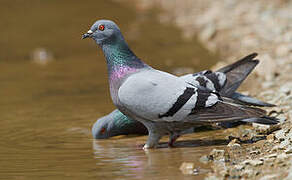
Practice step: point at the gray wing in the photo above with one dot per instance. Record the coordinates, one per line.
(227, 110)
(159, 96)
(213, 81)
(227, 79)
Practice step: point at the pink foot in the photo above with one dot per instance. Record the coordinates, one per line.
(172, 139)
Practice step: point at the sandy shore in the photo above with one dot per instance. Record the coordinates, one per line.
(236, 28)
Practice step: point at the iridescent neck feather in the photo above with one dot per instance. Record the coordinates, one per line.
(120, 59)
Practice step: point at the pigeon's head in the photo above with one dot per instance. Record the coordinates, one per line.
(103, 31)
(110, 125)
(102, 128)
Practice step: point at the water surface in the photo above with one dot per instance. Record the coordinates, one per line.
(47, 108)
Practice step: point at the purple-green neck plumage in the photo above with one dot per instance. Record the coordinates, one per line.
(120, 59)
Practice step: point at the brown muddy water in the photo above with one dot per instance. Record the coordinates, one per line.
(50, 98)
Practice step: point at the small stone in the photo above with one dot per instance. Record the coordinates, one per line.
(254, 152)
(289, 177)
(239, 167)
(258, 139)
(284, 144)
(253, 162)
(234, 144)
(286, 89)
(248, 172)
(281, 158)
(280, 135)
(187, 168)
(276, 148)
(247, 133)
(204, 159)
(274, 155)
(41, 56)
(256, 162)
(269, 177)
(217, 154)
(271, 137)
(211, 178)
(261, 128)
(268, 84)
(265, 129)
(288, 150)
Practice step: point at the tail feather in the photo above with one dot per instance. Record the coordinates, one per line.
(236, 73)
(227, 110)
(247, 100)
(262, 120)
(237, 63)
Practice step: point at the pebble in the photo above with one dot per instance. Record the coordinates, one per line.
(281, 158)
(239, 167)
(261, 128)
(248, 172)
(234, 144)
(267, 84)
(217, 154)
(41, 56)
(211, 178)
(289, 177)
(271, 137)
(280, 135)
(254, 152)
(276, 148)
(204, 159)
(187, 168)
(286, 88)
(253, 162)
(284, 144)
(274, 155)
(269, 177)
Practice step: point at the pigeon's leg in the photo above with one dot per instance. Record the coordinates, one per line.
(172, 138)
(153, 140)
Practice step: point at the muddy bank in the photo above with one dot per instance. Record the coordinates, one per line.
(236, 28)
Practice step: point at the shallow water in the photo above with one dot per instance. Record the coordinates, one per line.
(48, 105)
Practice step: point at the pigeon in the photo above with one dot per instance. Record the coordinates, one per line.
(116, 123)
(164, 103)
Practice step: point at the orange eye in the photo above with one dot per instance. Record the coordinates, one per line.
(101, 27)
(102, 130)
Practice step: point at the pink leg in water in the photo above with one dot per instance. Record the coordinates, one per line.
(172, 139)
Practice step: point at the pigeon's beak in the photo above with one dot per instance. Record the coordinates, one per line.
(88, 34)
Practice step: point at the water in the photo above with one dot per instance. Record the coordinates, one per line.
(49, 104)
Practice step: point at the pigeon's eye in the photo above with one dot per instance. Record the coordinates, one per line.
(102, 130)
(101, 27)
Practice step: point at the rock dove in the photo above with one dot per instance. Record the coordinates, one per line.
(116, 123)
(164, 103)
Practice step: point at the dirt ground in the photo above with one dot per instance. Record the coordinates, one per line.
(235, 28)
